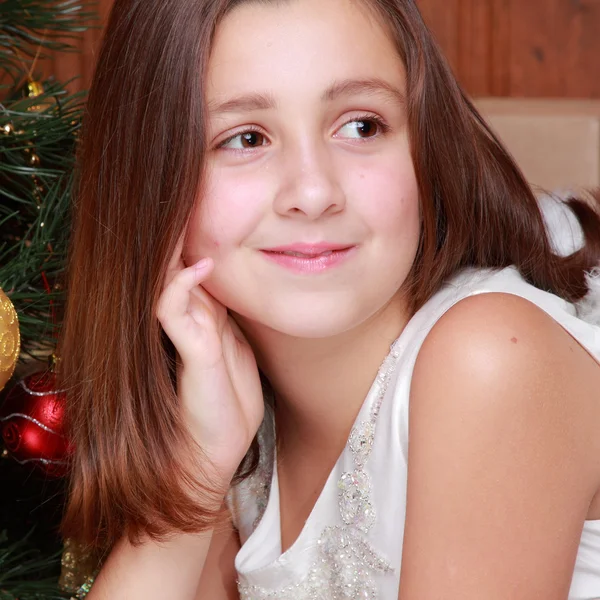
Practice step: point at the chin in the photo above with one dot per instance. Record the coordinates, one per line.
(313, 328)
(307, 320)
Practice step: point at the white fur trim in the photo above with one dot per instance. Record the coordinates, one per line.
(566, 237)
(588, 308)
(564, 230)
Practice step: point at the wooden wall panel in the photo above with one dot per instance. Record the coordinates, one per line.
(532, 48)
(443, 18)
(522, 48)
(555, 51)
(64, 65)
(483, 27)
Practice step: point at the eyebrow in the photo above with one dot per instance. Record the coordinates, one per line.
(346, 87)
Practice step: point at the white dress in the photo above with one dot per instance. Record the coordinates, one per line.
(351, 544)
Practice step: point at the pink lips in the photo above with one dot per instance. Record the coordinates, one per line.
(309, 258)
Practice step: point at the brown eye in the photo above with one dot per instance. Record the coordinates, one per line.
(244, 141)
(363, 128)
(366, 128)
(251, 139)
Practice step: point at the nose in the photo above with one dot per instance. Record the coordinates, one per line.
(310, 187)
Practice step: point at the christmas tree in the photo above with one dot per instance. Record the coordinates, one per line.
(39, 124)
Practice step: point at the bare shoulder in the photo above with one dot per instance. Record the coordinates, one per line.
(502, 341)
(505, 351)
(504, 456)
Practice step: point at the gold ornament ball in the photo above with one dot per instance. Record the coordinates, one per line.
(35, 89)
(10, 339)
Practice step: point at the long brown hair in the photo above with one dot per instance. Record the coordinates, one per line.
(140, 167)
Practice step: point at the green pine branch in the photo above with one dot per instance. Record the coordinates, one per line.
(38, 137)
(34, 207)
(28, 25)
(23, 572)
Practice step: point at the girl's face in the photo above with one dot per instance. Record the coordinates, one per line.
(308, 144)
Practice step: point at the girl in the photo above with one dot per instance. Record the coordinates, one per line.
(292, 225)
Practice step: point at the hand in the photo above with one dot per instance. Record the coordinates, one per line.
(218, 383)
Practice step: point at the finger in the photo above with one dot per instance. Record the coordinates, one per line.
(175, 299)
(217, 311)
(176, 262)
(235, 328)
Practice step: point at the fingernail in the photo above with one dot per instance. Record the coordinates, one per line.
(202, 265)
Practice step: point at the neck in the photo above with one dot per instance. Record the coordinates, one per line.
(320, 384)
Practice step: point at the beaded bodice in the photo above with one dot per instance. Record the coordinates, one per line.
(345, 560)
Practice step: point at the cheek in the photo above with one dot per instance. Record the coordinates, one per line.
(226, 215)
(388, 197)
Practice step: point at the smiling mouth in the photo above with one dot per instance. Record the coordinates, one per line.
(305, 263)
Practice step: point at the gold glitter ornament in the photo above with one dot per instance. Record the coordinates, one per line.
(79, 569)
(35, 89)
(10, 339)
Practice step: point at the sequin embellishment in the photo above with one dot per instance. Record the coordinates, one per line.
(260, 482)
(255, 489)
(346, 564)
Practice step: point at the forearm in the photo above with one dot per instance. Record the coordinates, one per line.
(153, 570)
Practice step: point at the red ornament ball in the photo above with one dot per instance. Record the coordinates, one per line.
(32, 423)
